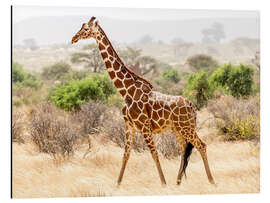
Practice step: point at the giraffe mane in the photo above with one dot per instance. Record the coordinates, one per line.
(119, 59)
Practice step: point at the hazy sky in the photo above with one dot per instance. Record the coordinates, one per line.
(24, 12)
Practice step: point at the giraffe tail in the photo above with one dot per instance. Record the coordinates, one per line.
(187, 156)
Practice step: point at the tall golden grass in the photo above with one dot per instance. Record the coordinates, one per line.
(235, 167)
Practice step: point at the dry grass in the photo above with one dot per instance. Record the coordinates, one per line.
(235, 167)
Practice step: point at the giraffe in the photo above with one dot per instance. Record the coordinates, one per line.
(147, 111)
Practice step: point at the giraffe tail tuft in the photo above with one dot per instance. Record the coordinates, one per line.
(187, 156)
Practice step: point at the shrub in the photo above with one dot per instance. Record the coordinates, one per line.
(238, 119)
(75, 93)
(116, 100)
(51, 131)
(236, 80)
(171, 75)
(199, 90)
(167, 145)
(55, 71)
(93, 61)
(115, 132)
(202, 61)
(18, 74)
(167, 87)
(90, 117)
(20, 78)
(73, 75)
(17, 127)
(26, 95)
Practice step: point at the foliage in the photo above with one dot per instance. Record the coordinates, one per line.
(199, 90)
(18, 74)
(116, 100)
(130, 55)
(90, 57)
(20, 78)
(237, 119)
(213, 34)
(237, 80)
(168, 87)
(202, 61)
(147, 64)
(56, 71)
(73, 75)
(171, 75)
(71, 95)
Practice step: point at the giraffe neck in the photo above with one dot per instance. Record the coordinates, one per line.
(122, 77)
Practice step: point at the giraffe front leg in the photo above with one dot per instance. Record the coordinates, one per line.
(147, 134)
(129, 140)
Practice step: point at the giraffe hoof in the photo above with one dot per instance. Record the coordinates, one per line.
(178, 183)
(212, 182)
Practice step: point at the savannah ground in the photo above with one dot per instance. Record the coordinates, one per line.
(235, 167)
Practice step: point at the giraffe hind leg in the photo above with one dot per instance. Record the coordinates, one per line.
(185, 152)
(201, 147)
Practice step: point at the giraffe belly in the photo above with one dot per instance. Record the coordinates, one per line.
(161, 129)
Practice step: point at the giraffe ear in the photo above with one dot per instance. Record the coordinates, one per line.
(96, 23)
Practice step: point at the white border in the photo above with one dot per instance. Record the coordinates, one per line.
(189, 4)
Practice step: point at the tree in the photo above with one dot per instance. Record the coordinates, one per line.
(199, 89)
(56, 71)
(236, 80)
(202, 61)
(214, 34)
(171, 75)
(30, 43)
(90, 57)
(146, 39)
(130, 55)
(146, 64)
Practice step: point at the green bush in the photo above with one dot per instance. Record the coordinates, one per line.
(18, 74)
(171, 75)
(71, 95)
(199, 90)
(73, 75)
(20, 78)
(202, 61)
(236, 80)
(55, 71)
(168, 87)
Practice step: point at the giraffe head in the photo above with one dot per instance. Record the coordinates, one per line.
(87, 31)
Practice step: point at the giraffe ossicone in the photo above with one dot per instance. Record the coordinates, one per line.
(147, 111)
